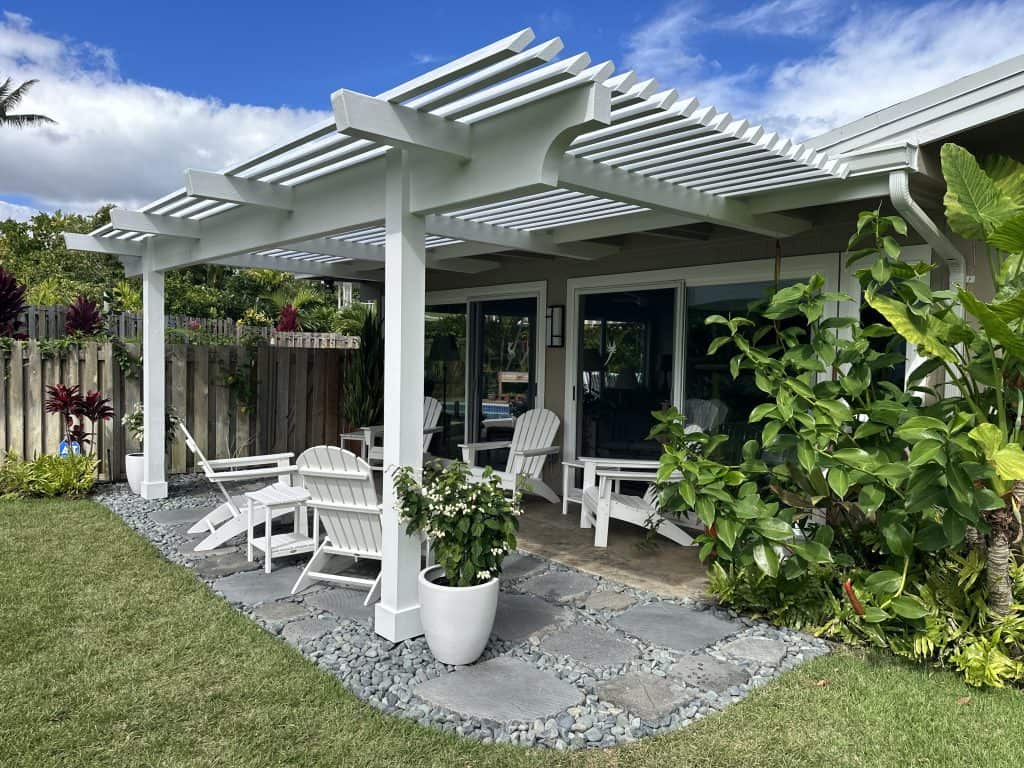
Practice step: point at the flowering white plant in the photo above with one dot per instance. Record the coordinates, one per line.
(471, 523)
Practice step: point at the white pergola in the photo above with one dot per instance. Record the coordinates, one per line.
(504, 149)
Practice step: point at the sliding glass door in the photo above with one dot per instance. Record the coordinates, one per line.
(626, 354)
(445, 376)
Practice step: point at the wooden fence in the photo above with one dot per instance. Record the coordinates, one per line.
(295, 399)
(48, 323)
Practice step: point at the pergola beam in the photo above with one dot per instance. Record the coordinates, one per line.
(154, 224)
(604, 181)
(514, 239)
(235, 189)
(364, 117)
(109, 245)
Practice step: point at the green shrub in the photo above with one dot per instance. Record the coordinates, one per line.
(72, 476)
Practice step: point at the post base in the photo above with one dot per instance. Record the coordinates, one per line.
(397, 625)
(153, 491)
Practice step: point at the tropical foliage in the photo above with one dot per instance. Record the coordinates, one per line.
(12, 304)
(133, 422)
(75, 409)
(363, 394)
(471, 524)
(10, 99)
(47, 475)
(863, 511)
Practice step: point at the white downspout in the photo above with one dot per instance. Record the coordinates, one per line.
(899, 193)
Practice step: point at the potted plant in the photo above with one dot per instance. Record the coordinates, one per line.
(133, 462)
(472, 525)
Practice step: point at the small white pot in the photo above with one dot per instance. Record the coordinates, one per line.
(133, 463)
(457, 621)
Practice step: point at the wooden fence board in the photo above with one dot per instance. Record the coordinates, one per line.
(296, 401)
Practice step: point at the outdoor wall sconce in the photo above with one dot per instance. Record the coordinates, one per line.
(556, 325)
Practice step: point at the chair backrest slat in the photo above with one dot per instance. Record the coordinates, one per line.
(431, 416)
(534, 429)
(194, 447)
(341, 487)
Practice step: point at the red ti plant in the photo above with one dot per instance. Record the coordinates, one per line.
(289, 319)
(83, 318)
(70, 404)
(12, 304)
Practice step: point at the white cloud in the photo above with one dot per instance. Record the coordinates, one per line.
(792, 18)
(15, 211)
(871, 58)
(116, 140)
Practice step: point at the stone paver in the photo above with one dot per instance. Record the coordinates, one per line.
(299, 632)
(341, 602)
(761, 650)
(677, 627)
(255, 587)
(223, 564)
(607, 600)
(519, 566)
(560, 586)
(503, 689)
(279, 612)
(520, 616)
(176, 515)
(590, 645)
(645, 695)
(708, 673)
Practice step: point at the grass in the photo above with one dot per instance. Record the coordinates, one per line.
(111, 656)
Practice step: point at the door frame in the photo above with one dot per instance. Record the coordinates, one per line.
(830, 265)
(531, 290)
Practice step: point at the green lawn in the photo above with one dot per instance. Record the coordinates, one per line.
(110, 656)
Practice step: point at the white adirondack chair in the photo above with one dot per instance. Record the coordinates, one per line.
(229, 519)
(602, 501)
(532, 442)
(374, 451)
(344, 498)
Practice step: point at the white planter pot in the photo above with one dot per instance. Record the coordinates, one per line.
(457, 621)
(133, 463)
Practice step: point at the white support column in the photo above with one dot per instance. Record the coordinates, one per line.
(397, 614)
(154, 480)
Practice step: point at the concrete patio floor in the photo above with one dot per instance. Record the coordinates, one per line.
(657, 566)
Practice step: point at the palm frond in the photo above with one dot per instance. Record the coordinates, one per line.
(5, 89)
(25, 121)
(13, 98)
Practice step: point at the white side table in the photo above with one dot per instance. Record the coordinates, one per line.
(274, 499)
(571, 493)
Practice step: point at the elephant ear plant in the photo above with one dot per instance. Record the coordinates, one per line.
(868, 511)
(471, 524)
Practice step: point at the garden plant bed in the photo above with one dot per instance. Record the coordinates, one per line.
(579, 661)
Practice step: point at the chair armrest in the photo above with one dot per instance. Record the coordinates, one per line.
(248, 474)
(488, 446)
(376, 429)
(250, 461)
(618, 474)
(432, 430)
(551, 449)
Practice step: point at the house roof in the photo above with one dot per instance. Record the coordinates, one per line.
(979, 98)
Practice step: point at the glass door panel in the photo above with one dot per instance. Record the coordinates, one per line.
(625, 370)
(714, 400)
(445, 376)
(503, 334)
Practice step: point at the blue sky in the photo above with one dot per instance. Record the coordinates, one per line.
(143, 90)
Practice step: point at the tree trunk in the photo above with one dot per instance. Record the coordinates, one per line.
(1003, 532)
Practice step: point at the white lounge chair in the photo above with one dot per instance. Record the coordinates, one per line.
(344, 498)
(532, 442)
(373, 451)
(230, 519)
(602, 501)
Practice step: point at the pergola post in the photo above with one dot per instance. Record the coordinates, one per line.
(397, 614)
(154, 479)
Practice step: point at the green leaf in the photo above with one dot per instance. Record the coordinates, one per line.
(805, 455)
(870, 498)
(857, 458)
(839, 481)
(727, 531)
(873, 615)
(774, 528)
(975, 206)
(900, 318)
(993, 325)
(812, 552)
(767, 559)
(1007, 174)
(989, 438)
(898, 539)
(1009, 235)
(927, 451)
(909, 607)
(954, 528)
(931, 537)
(760, 411)
(1009, 462)
(884, 582)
